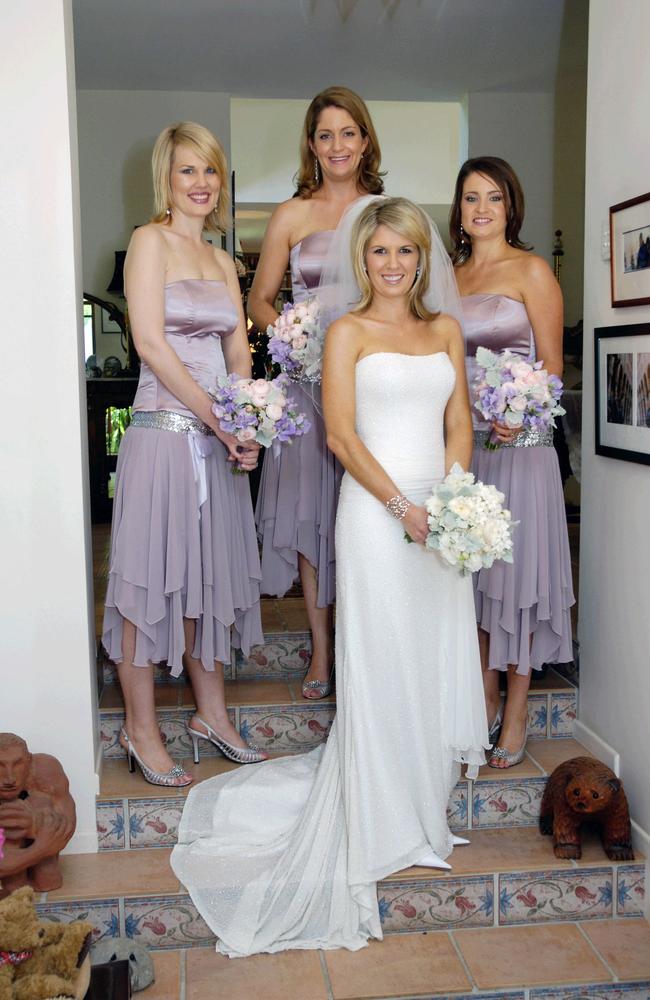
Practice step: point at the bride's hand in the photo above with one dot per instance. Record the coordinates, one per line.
(416, 524)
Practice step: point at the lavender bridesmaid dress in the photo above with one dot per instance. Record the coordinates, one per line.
(183, 542)
(533, 596)
(296, 507)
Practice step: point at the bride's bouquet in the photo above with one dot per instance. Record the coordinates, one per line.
(296, 340)
(257, 410)
(468, 524)
(515, 392)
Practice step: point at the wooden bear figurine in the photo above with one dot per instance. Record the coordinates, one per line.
(583, 790)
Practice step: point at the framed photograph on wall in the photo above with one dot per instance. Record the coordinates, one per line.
(629, 233)
(109, 325)
(622, 373)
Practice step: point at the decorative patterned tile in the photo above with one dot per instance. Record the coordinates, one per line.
(165, 922)
(563, 713)
(537, 716)
(630, 890)
(109, 731)
(501, 995)
(457, 810)
(436, 904)
(541, 897)
(287, 728)
(103, 914)
(595, 991)
(507, 803)
(281, 656)
(110, 825)
(154, 822)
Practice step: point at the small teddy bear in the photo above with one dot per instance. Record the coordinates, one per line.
(38, 959)
(581, 790)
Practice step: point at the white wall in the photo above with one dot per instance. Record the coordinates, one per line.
(614, 624)
(117, 130)
(420, 143)
(519, 128)
(47, 692)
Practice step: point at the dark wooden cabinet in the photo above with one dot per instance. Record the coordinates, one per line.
(101, 394)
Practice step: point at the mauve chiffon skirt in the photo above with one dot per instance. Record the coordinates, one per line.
(169, 562)
(533, 595)
(296, 506)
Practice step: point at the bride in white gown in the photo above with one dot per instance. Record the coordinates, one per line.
(287, 853)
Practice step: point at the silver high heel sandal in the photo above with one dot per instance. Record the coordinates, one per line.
(511, 759)
(251, 755)
(176, 777)
(322, 688)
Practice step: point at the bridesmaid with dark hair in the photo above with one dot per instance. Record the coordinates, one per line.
(511, 300)
(339, 162)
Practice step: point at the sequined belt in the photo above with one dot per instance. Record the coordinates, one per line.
(168, 420)
(526, 439)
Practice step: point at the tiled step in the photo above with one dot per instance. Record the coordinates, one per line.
(504, 878)
(132, 814)
(426, 966)
(278, 718)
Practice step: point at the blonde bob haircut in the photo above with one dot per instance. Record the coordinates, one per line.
(369, 179)
(204, 144)
(409, 221)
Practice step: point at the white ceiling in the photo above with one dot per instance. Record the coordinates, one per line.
(385, 49)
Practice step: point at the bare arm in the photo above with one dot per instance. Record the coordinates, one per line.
(342, 351)
(271, 267)
(543, 301)
(236, 349)
(458, 419)
(144, 274)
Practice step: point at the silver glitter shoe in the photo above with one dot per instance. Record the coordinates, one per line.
(321, 688)
(511, 759)
(176, 777)
(249, 755)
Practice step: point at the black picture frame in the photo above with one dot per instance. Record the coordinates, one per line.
(629, 226)
(622, 392)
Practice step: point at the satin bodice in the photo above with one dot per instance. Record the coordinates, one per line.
(198, 313)
(498, 323)
(306, 262)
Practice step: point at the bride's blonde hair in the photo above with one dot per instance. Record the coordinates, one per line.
(407, 219)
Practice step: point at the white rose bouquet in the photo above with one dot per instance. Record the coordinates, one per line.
(296, 340)
(468, 524)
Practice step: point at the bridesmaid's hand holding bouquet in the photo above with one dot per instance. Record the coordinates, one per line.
(517, 394)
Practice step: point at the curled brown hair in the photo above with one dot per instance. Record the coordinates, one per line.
(370, 177)
(504, 177)
(205, 145)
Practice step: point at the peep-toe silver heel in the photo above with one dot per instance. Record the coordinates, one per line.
(251, 755)
(168, 778)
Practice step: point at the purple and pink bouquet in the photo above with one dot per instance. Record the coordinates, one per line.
(468, 524)
(296, 340)
(257, 410)
(515, 392)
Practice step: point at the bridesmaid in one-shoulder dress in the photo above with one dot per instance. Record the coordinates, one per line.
(511, 300)
(184, 566)
(296, 508)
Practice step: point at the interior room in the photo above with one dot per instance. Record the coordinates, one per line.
(553, 88)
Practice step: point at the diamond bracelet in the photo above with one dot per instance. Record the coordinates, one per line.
(398, 506)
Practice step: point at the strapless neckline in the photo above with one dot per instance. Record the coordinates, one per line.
(401, 354)
(492, 295)
(317, 232)
(181, 281)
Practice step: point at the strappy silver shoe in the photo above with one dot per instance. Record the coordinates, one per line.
(511, 759)
(176, 777)
(252, 754)
(322, 688)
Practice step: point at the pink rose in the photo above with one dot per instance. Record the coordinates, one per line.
(273, 411)
(519, 369)
(246, 434)
(299, 342)
(259, 391)
(518, 404)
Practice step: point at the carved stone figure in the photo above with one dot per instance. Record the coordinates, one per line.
(37, 814)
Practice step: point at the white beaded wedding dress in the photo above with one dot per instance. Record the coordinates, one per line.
(287, 853)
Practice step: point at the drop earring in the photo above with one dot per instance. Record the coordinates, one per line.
(417, 272)
(168, 212)
(462, 233)
(316, 171)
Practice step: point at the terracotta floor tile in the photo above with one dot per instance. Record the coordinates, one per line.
(296, 691)
(529, 956)
(117, 783)
(166, 696)
(115, 873)
(551, 681)
(527, 769)
(271, 619)
(167, 969)
(401, 964)
(549, 753)
(285, 976)
(509, 849)
(624, 944)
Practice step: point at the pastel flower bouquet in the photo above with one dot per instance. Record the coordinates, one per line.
(257, 410)
(515, 392)
(296, 340)
(468, 524)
